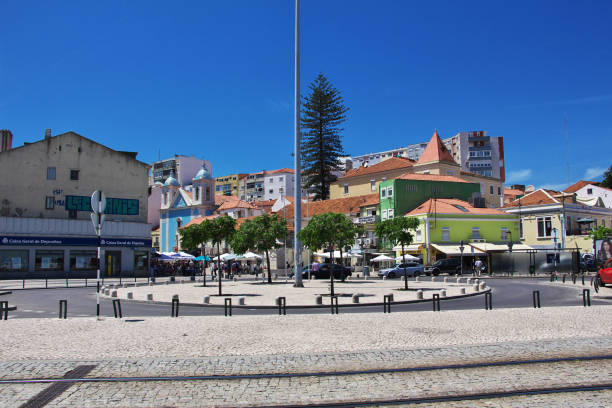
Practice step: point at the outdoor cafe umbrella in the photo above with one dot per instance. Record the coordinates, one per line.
(382, 258)
(202, 258)
(408, 258)
(227, 257)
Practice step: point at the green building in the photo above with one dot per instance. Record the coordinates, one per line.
(403, 194)
(446, 222)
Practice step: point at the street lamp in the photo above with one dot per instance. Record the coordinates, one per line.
(510, 245)
(461, 248)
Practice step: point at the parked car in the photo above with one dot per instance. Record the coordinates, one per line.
(412, 269)
(449, 265)
(305, 270)
(325, 270)
(604, 276)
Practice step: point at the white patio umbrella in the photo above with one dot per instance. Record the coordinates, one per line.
(381, 258)
(227, 257)
(249, 256)
(408, 258)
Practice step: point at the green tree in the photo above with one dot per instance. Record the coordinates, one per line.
(600, 232)
(261, 234)
(607, 181)
(193, 237)
(218, 230)
(397, 231)
(326, 231)
(322, 114)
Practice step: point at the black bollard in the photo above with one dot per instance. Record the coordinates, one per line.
(63, 308)
(175, 307)
(117, 308)
(563, 278)
(436, 302)
(586, 297)
(387, 304)
(536, 299)
(4, 310)
(488, 301)
(228, 306)
(282, 306)
(334, 303)
(582, 280)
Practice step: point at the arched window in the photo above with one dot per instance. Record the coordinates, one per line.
(197, 193)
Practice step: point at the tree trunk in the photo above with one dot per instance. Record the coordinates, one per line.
(205, 265)
(269, 269)
(220, 269)
(405, 273)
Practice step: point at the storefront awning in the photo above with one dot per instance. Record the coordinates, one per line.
(453, 250)
(489, 247)
(409, 248)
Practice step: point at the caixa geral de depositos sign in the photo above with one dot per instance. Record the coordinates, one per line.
(70, 241)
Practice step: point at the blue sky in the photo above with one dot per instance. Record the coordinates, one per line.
(215, 79)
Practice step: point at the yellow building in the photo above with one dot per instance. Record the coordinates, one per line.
(545, 214)
(228, 185)
(436, 159)
(365, 180)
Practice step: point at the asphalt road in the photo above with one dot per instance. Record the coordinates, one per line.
(507, 293)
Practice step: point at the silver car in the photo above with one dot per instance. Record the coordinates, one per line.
(412, 269)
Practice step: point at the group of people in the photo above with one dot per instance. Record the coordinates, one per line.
(173, 268)
(232, 268)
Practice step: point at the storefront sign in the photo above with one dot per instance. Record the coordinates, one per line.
(119, 206)
(69, 241)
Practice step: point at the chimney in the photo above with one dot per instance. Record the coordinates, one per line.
(47, 133)
(6, 140)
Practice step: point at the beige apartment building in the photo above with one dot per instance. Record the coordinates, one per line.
(228, 185)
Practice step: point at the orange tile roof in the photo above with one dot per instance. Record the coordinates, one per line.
(513, 192)
(220, 199)
(394, 163)
(283, 170)
(432, 177)
(199, 220)
(537, 197)
(348, 205)
(578, 185)
(447, 206)
(228, 205)
(189, 194)
(436, 151)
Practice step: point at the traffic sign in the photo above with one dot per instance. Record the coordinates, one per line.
(98, 202)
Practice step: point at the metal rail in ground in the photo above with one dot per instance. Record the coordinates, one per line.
(73, 379)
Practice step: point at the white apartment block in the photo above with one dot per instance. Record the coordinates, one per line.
(278, 183)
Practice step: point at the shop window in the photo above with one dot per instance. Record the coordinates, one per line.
(13, 260)
(49, 260)
(141, 260)
(49, 202)
(83, 260)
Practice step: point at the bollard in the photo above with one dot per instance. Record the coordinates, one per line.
(436, 302)
(172, 279)
(175, 307)
(482, 286)
(149, 296)
(281, 302)
(592, 281)
(563, 280)
(384, 278)
(241, 301)
(334, 302)
(4, 310)
(228, 306)
(586, 297)
(151, 283)
(574, 278)
(387, 303)
(443, 293)
(552, 277)
(582, 280)
(206, 300)
(536, 299)
(130, 295)
(458, 280)
(468, 281)
(319, 300)
(419, 294)
(355, 298)
(117, 308)
(417, 279)
(63, 308)
(462, 291)
(445, 280)
(125, 285)
(113, 293)
(475, 287)
(488, 301)
(433, 278)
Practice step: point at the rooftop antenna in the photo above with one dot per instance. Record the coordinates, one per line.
(566, 148)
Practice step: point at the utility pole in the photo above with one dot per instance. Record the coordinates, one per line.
(98, 205)
(297, 213)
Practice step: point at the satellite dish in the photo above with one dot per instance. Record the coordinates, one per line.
(530, 189)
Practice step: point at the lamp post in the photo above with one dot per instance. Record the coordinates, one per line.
(510, 245)
(297, 186)
(461, 249)
(555, 236)
(330, 249)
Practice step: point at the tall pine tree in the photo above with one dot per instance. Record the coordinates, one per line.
(322, 113)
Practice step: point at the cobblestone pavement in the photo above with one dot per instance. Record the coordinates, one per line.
(313, 389)
(302, 390)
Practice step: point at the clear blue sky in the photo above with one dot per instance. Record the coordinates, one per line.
(215, 78)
